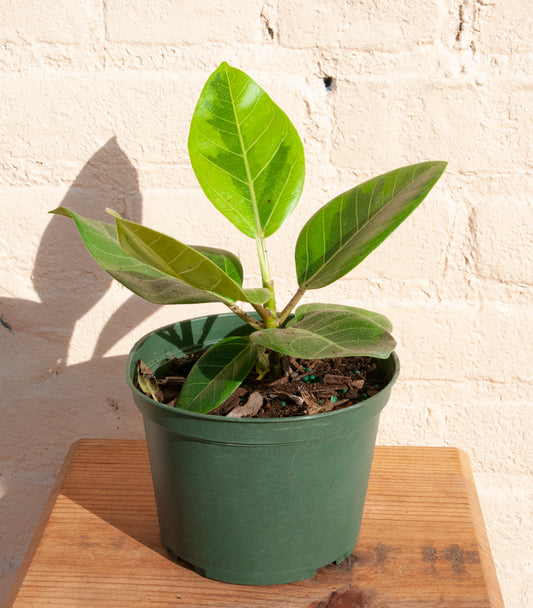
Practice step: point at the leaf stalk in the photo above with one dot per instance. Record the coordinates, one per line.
(291, 304)
(245, 316)
(271, 320)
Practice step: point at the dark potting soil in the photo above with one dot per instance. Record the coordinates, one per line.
(306, 386)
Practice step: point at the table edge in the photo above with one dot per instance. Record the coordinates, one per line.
(41, 525)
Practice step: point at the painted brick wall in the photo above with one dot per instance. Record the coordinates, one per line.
(95, 102)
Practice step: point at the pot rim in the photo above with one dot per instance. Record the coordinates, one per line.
(131, 359)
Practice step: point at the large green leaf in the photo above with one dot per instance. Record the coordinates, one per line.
(305, 309)
(343, 232)
(218, 372)
(330, 331)
(183, 262)
(245, 153)
(145, 281)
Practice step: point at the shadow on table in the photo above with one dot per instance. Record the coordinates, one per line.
(117, 488)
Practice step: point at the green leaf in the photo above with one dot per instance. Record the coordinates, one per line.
(218, 372)
(375, 317)
(330, 331)
(181, 261)
(144, 280)
(343, 232)
(246, 153)
(225, 260)
(257, 295)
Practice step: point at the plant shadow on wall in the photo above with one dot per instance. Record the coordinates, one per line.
(45, 401)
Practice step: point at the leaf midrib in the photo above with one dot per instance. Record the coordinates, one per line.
(245, 159)
(230, 365)
(313, 335)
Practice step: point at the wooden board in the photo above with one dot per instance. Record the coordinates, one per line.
(422, 545)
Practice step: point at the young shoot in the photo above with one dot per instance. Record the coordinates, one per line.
(249, 161)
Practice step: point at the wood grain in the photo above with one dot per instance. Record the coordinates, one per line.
(422, 545)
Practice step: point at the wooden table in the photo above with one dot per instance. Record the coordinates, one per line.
(422, 545)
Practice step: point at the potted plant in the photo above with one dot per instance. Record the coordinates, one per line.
(259, 500)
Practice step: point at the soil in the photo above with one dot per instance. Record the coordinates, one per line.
(306, 387)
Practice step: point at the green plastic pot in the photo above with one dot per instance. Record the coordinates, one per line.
(254, 501)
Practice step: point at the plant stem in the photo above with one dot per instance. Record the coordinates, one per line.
(245, 316)
(268, 312)
(265, 314)
(268, 283)
(290, 306)
(274, 363)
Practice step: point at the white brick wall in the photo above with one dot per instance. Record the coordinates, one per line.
(363, 26)
(183, 23)
(95, 103)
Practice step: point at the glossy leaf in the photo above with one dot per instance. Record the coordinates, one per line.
(183, 262)
(330, 332)
(144, 280)
(218, 372)
(245, 153)
(343, 232)
(225, 260)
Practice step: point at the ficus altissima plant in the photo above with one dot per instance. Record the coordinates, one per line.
(249, 161)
